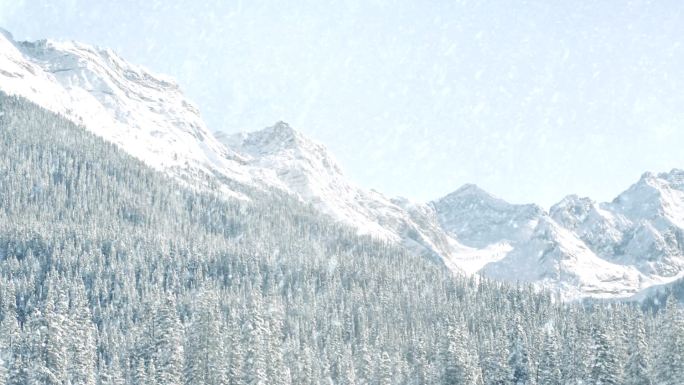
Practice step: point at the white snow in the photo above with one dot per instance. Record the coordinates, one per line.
(148, 117)
(282, 157)
(580, 248)
(145, 114)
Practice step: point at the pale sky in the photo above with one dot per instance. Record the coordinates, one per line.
(531, 100)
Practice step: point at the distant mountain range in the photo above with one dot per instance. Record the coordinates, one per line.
(579, 247)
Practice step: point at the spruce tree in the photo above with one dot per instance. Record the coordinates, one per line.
(168, 355)
(637, 368)
(518, 359)
(669, 365)
(549, 363)
(605, 368)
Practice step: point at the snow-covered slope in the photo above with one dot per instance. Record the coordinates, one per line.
(20, 76)
(145, 114)
(283, 157)
(600, 229)
(478, 219)
(654, 209)
(148, 116)
(554, 257)
(658, 199)
(580, 248)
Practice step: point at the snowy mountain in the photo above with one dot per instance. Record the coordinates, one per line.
(555, 257)
(579, 247)
(478, 219)
(282, 157)
(148, 116)
(145, 114)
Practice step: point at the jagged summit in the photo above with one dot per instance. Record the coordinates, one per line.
(469, 189)
(572, 209)
(478, 219)
(283, 130)
(473, 195)
(72, 56)
(658, 198)
(675, 178)
(572, 200)
(286, 158)
(276, 139)
(145, 114)
(672, 175)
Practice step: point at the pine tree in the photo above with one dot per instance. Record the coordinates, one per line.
(604, 370)
(276, 370)
(460, 365)
(235, 371)
(385, 373)
(3, 371)
(153, 374)
(257, 335)
(576, 349)
(549, 364)
(494, 363)
(669, 365)
(306, 371)
(518, 359)
(347, 375)
(168, 355)
(48, 347)
(18, 373)
(207, 359)
(109, 374)
(366, 367)
(637, 368)
(139, 375)
(82, 340)
(9, 337)
(9, 327)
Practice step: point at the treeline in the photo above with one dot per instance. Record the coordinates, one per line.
(111, 273)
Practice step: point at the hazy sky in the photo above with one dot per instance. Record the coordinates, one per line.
(531, 100)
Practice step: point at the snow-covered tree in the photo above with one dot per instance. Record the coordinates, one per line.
(518, 359)
(638, 368)
(549, 371)
(168, 344)
(605, 368)
(113, 272)
(669, 365)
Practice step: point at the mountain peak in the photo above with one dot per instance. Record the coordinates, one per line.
(278, 139)
(283, 133)
(477, 219)
(473, 196)
(144, 113)
(675, 177)
(83, 61)
(647, 175)
(572, 202)
(283, 127)
(471, 189)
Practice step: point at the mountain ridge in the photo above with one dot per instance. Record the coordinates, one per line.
(579, 247)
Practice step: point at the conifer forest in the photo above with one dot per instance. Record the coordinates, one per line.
(114, 273)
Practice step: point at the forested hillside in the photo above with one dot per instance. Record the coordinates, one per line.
(111, 273)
